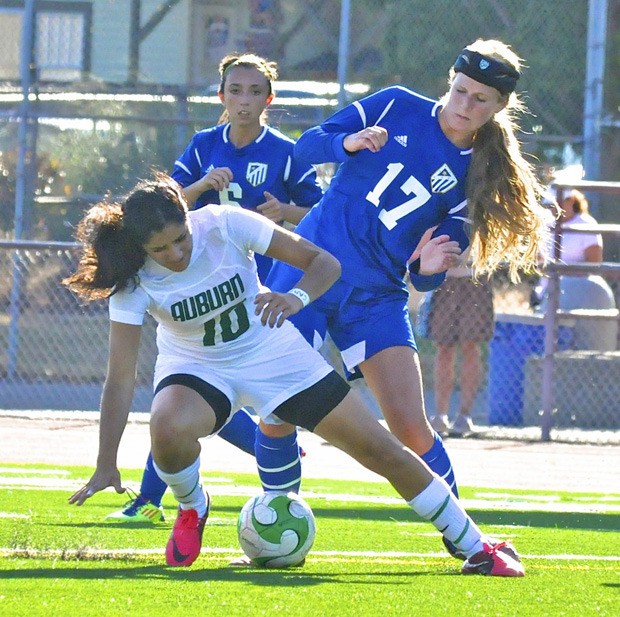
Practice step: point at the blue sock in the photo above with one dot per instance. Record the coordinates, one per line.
(278, 462)
(438, 460)
(152, 487)
(240, 431)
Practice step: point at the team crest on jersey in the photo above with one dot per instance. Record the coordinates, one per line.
(256, 173)
(443, 180)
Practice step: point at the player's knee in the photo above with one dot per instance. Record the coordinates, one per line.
(406, 424)
(165, 429)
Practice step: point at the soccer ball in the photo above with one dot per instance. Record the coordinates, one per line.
(276, 530)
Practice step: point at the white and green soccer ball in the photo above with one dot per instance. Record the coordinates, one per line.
(276, 530)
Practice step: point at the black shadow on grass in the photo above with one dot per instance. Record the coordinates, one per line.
(554, 520)
(255, 576)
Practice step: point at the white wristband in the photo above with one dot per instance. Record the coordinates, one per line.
(301, 294)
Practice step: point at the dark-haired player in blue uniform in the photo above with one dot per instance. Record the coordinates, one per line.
(417, 178)
(242, 161)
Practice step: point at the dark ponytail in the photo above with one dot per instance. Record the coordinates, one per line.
(113, 236)
(110, 257)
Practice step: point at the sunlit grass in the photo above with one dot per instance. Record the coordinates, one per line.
(372, 556)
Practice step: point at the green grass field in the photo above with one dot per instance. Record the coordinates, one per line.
(372, 556)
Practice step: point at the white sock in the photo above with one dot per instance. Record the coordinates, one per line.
(186, 487)
(438, 505)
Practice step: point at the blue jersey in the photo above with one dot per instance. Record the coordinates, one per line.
(379, 205)
(267, 164)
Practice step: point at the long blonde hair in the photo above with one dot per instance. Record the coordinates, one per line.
(503, 191)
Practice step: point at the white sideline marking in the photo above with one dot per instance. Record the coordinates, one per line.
(34, 472)
(509, 503)
(511, 497)
(42, 554)
(544, 498)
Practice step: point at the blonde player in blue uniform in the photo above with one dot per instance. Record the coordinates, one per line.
(224, 341)
(243, 162)
(414, 174)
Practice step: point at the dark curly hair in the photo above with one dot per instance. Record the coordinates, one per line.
(113, 235)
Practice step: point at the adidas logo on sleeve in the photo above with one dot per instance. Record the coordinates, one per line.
(402, 140)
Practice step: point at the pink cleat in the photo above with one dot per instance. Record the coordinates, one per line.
(498, 559)
(185, 541)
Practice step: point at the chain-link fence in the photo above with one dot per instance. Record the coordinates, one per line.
(55, 349)
(116, 87)
(55, 354)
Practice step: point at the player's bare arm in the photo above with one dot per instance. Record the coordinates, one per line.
(278, 211)
(115, 405)
(217, 179)
(321, 271)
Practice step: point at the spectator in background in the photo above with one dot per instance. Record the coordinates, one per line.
(461, 317)
(589, 292)
(575, 247)
(579, 247)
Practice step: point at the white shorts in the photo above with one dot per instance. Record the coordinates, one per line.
(276, 370)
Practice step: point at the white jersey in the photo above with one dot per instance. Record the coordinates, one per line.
(207, 325)
(206, 311)
(574, 244)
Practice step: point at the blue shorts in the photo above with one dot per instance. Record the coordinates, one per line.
(360, 322)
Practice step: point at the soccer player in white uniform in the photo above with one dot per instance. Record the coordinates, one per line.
(243, 162)
(224, 341)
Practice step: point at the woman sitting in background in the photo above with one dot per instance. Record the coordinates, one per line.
(577, 247)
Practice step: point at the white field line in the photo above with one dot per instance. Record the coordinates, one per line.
(34, 472)
(146, 552)
(494, 501)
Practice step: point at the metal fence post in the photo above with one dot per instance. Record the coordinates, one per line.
(551, 334)
(26, 64)
(343, 51)
(593, 94)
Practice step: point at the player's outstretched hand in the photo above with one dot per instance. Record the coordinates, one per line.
(274, 307)
(371, 138)
(98, 482)
(439, 254)
(273, 208)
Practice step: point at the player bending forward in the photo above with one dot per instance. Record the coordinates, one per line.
(224, 342)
